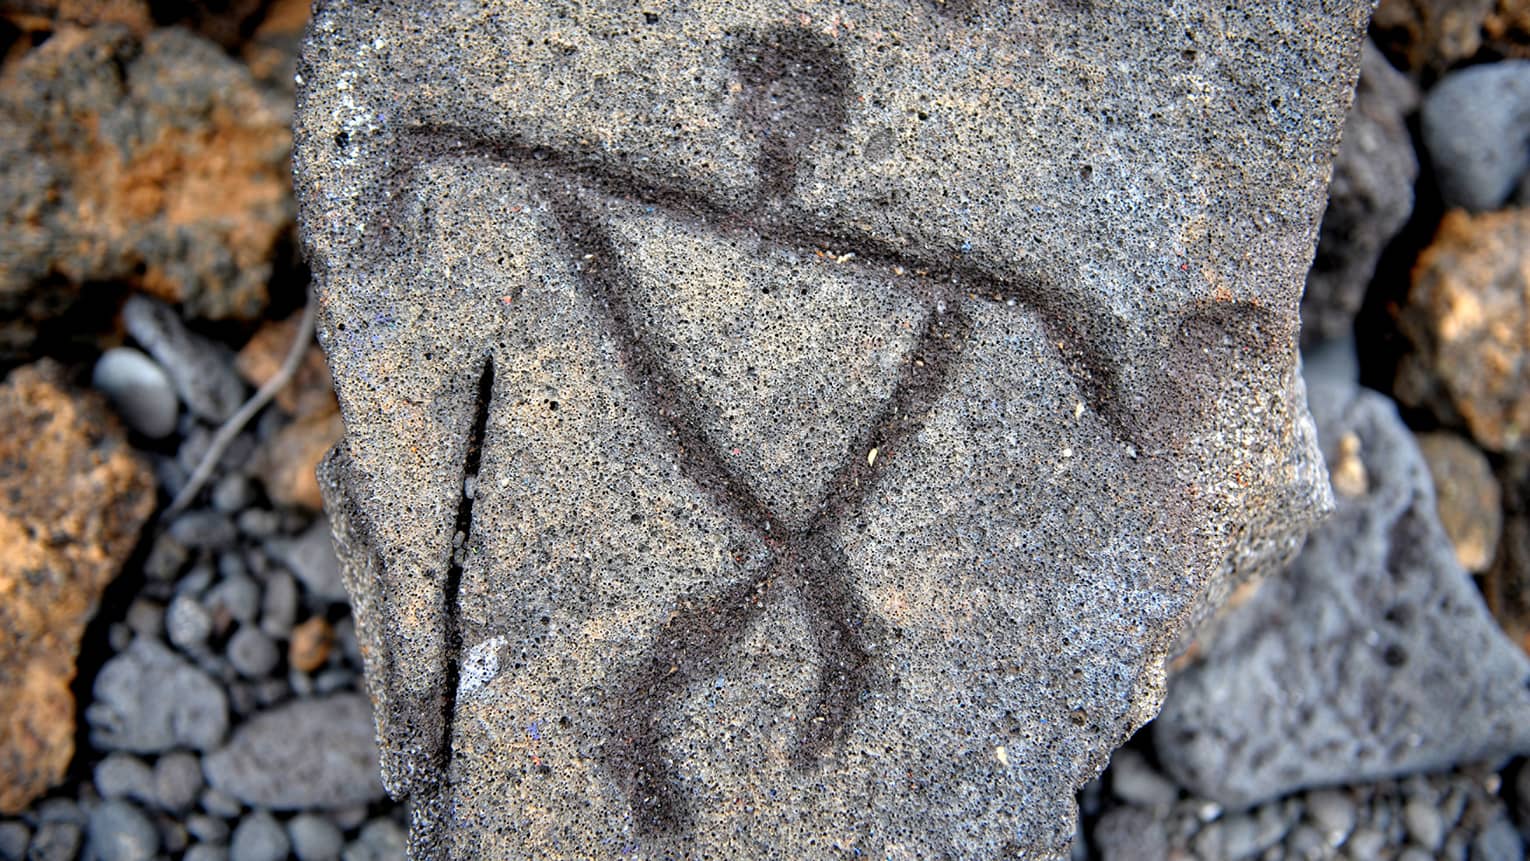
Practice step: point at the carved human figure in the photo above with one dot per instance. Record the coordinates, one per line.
(779, 432)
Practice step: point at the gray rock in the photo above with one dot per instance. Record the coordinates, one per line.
(122, 775)
(279, 605)
(14, 837)
(252, 653)
(1135, 782)
(311, 754)
(259, 522)
(56, 841)
(1498, 842)
(259, 837)
(239, 596)
(61, 810)
(380, 839)
(146, 618)
(841, 417)
(205, 852)
(1476, 126)
(204, 530)
(177, 780)
(311, 556)
(1364, 843)
(202, 371)
(207, 829)
(118, 831)
(233, 493)
(148, 700)
(1369, 200)
(219, 803)
(1333, 812)
(167, 557)
(1372, 656)
(315, 838)
(1424, 824)
(1131, 834)
(187, 623)
(139, 390)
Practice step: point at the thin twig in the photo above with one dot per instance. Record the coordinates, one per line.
(230, 429)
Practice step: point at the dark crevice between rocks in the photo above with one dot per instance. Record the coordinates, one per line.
(1379, 342)
(95, 650)
(463, 530)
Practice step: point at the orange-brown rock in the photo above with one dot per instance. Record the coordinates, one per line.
(73, 497)
(309, 393)
(310, 645)
(1469, 317)
(287, 461)
(155, 160)
(1466, 497)
(1434, 35)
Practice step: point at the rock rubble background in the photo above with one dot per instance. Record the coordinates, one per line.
(188, 685)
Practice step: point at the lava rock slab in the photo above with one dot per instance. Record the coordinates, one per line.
(73, 497)
(774, 432)
(1373, 656)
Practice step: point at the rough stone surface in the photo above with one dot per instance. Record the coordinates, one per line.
(778, 431)
(1467, 497)
(1476, 125)
(73, 496)
(148, 699)
(1373, 655)
(1369, 199)
(202, 371)
(154, 160)
(307, 755)
(1468, 315)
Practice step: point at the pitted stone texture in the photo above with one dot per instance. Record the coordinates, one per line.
(1373, 656)
(771, 430)
(1368, 202)
(73, 496)
(1468, 315)
(150, 159)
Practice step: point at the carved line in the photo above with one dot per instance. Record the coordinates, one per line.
(803, 562)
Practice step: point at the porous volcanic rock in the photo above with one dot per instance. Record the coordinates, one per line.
(1369, 199)
(1372, 656)
(155, 160)
(773, 431)
(1468, 315)
(73, 496)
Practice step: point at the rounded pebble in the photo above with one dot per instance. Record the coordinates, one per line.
(187, 623)
(252, 653)
(240, 596)
(203, 529)
(380, 840)
(207, 829)
(122, 775)
(1424, 824)
(233, 493)
(55, 841)
(279, 606)
(1333, 812)
(259, 837)
(315, 838)
(204, 852)
(139, 390)
(14, 837)
(177, 780)
(118, 831)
